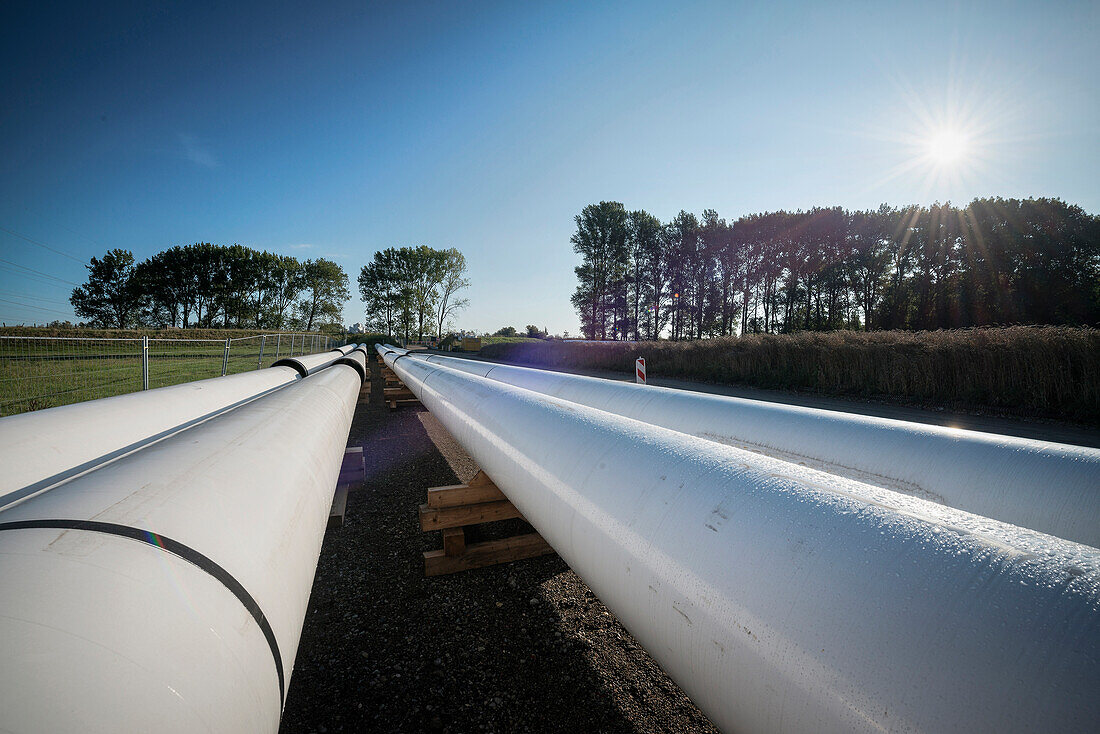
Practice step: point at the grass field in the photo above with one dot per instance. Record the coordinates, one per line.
(47, 372)
(1041, 371)
(88, 333)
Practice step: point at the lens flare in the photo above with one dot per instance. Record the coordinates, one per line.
(947, 146)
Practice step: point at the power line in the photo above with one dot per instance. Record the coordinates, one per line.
(41, 244)
(40, 214)
(40, 308)
(39, 272)
(33, 278)
(33, 298)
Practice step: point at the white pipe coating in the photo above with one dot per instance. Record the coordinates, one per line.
(166, 591)
(1050, 487)
(786, 599)
(44, 447)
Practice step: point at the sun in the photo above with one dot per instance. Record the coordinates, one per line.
(945, 147)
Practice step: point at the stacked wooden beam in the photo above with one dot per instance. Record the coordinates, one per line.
(453, 508)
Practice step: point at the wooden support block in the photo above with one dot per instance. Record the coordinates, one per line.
(481, 479)
(339, 506)
(399, 393)
(458, 495)
(453, 517)
(454, 541)
(402, 402)
(478, 555)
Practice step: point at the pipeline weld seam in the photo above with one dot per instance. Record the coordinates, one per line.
(186, 553)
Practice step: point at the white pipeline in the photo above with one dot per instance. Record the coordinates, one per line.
(42, 448)
(786, 599)
(166, 591)
(1050, 487)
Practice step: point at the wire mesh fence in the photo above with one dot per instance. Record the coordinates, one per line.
(44, 372)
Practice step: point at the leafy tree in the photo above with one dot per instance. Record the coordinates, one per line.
(993, 261)
(650, 269)
(283, 280)
(601, 241)
(325, 285)
(425, 272)
(413, 287)
(386, 287)
(505, 331)
(111, 298)
(451, 279)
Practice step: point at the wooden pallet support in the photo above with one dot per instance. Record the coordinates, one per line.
(397, 397)
(352, 471)
(489, 553)
(395, 404)
(453, 508)
(399, 393)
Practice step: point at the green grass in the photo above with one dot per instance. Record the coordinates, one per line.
(36, 374)
(138, 333)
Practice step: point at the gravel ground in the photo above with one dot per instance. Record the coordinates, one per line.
(517, 647)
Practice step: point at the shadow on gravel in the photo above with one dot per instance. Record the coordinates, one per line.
(511, 648)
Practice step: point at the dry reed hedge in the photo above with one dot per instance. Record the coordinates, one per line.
(1048, 370)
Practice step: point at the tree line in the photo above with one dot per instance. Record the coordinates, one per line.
(211, 286)
(413, 290)
(995, 261)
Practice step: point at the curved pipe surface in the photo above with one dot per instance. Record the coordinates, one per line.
(779, 597)
(357, 360)
(166, 591)
(42, 448)
(1049, 487)
(309, 364)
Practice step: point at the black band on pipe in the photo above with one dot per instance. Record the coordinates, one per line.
(293, 364)
(186, 553)
(352, 363)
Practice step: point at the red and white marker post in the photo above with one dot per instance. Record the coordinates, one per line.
(639, 371)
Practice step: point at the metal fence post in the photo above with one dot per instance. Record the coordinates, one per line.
(144, 363)
(278, 344)
(260, 361)
(225, 358)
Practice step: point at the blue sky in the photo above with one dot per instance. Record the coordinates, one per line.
(336, 129)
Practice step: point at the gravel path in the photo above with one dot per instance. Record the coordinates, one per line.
(518, 647)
